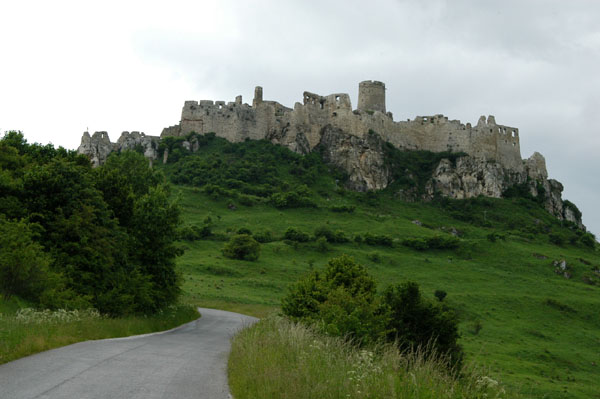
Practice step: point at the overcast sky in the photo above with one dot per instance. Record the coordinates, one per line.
(68, 66)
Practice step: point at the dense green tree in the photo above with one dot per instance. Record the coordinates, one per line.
(23, 263)
(418, 323)
(340, 299)
(107, 235)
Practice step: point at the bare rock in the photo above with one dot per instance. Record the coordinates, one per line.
(362, 158)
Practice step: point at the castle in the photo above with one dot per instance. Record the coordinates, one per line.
(353, 140)
(300, 128)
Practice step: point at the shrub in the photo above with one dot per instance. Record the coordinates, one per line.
(556, 239)
(588, 240)
(434, 242)
(322, 244)
(293, 234)
(492, 237)
(244, 230)
(340, 299)
(440, 295)
(299, 198)
(374, 257)
(383, 240)
(417, 323)
(242, 246)
(264, 237)
(324, 231)
(343, 208)
(193, 232)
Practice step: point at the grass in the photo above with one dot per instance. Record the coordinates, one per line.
(25, 332)
(279, 359)
(500, 289)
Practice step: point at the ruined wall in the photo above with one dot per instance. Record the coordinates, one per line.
(343, 136)
(300, 128)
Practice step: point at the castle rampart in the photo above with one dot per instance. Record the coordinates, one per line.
(300, 128)
(345, 138)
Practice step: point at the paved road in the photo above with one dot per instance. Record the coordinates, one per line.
(187, 362)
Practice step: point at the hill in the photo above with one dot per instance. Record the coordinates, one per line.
(525, 284)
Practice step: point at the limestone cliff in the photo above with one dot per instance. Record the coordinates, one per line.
(98, 146)
(470, 177)
(363, 159)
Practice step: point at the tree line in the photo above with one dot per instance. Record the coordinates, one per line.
(76, 237)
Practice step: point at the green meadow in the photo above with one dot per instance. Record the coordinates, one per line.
(538, 332)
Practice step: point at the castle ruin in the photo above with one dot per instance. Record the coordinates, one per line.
(300, 128)
(352, 140)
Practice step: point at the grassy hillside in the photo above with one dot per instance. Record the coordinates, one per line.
(537, 330)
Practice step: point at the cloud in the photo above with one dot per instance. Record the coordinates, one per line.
(124, 66)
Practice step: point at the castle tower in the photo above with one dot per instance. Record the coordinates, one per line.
(371, 96)
(258, 96)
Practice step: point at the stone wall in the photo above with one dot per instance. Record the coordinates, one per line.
(299, 128)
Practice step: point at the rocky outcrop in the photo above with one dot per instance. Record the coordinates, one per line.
(98, 146)
(363, 159)
(471, 177)
(137, 141)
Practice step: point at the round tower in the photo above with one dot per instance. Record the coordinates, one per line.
(371, 96)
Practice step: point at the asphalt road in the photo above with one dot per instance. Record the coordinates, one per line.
(187, 362)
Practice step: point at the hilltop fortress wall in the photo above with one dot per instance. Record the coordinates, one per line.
(301, 128)
(354, 140)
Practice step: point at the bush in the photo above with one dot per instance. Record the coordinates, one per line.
(556, 239)
(242, 246)
(298, 198)
(293, 234)
(264, 237)
(440, 295)
(417, 323)
(383, 240)
(193, 232)
(374, 257)
(339, 237)
(588, 240)
(244, 230)
(340, 299)
(343, 208)
(322, 244)
(434, 242)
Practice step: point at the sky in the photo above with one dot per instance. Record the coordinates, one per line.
(71, 66)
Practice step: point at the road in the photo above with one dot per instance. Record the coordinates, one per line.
(187, 362)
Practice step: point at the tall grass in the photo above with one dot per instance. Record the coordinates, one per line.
(29, 331)
(276, 358)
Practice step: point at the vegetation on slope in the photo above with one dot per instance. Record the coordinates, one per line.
(498, 261)
(75, 237)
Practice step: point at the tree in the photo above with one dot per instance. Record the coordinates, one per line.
(417, 323)
(341, 300)
(243, 247)
(23, 263)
